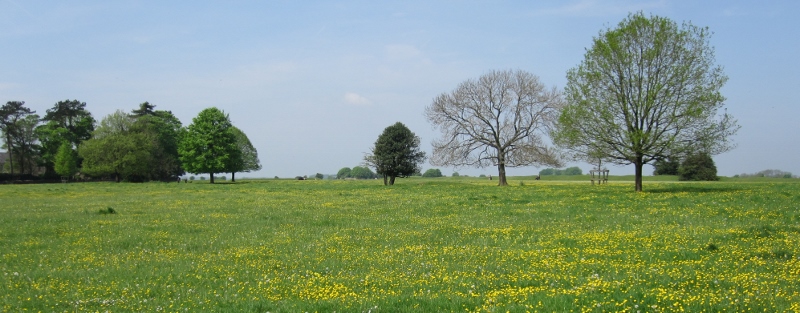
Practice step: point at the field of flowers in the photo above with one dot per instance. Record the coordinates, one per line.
(423, 245)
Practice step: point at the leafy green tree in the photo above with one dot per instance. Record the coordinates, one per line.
(11, 114)
(245, 158)
(66, 163)
(208, 144)
(362, 172)
(117, 149)
(432, 172)
(547, 171)
(166, 129)
(66, 121)
(396, 153)
(697, 167)
(666, 166)
(319, 176)
(500, 120)
(645, 90)
(26, 145)
(343, 173)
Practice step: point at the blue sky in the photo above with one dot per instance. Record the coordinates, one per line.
(313, 83)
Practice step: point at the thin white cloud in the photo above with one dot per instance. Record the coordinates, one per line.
(356, 99)
(401, 52)
(8, 86)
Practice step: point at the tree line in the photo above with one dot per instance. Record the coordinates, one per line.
(144, 145)
(646, 91)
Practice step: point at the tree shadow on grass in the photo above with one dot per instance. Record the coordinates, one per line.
(691, 188)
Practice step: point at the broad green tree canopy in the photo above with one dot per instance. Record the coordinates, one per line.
(645, 90)
(208, 144)
(116, 149)
(245, 158)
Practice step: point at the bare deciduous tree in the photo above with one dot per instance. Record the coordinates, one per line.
(500, 120)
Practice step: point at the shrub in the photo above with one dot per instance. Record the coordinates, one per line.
(698, 167)
(433, 172)
(343, 173)
(455, 174)
(362, 173)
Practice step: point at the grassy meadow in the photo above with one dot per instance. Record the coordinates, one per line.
(424, 245)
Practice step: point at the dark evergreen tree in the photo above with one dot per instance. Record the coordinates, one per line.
(666, 166)
(396, 153)
(697, 167)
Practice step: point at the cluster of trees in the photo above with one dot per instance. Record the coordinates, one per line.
(567, 171)
(645, 90)
(146, 144)
(696, 166)
(358, 172)
(769, 173)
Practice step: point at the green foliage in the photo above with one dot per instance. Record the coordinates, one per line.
(319, 176)
(12, 115)
(666, 166)
(558, 172)
(343, 173)
(362, 172)
(245, 157)
(455, 174)
(432, 172)
(396, 153)
(645, 89)
(117, 149)
(698, 167)
(66, 162)
(769, 173)
(166, 130)
(66, 121)
(209, 144)
(573, 171)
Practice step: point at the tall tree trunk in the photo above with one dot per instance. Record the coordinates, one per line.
(638, 165)
(116, 177)
(233, 177)
(212, 178)
(385, 182)
(9, 150)
(501, 167)
(501, 174)
(391, 180)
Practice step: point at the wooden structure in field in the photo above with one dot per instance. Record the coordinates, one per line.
(601, 176)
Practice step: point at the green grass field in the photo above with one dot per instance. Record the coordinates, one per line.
(424, 245)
